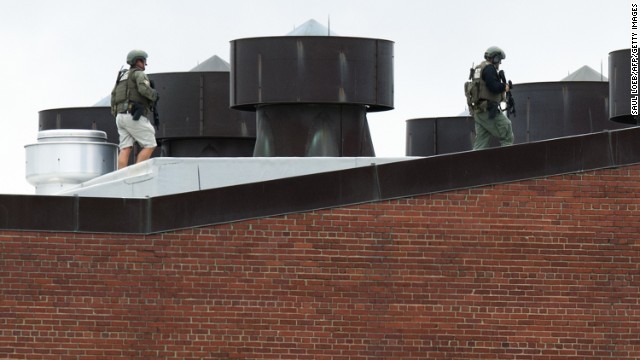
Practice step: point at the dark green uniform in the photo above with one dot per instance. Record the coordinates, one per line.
(490, 123)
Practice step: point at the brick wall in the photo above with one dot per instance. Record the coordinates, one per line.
(539, 269)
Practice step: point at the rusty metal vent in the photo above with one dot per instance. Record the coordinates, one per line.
(195, 118)
(620, 87)
(311, 93)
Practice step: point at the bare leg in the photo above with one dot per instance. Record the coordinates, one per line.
(123, 157)
(145, 154)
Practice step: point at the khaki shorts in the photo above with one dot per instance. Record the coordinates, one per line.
(131, 131)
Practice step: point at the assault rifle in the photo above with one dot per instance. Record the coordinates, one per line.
(120, 74)
(156, 117)
(511, 104)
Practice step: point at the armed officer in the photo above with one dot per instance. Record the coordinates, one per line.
(131, 100)
(489, 119)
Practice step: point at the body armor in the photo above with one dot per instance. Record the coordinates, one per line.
(126, 92)
(484, 92)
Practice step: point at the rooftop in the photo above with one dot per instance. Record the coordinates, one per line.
(298, 193)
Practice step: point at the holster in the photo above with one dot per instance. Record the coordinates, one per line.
(494, 109)
(137, 110)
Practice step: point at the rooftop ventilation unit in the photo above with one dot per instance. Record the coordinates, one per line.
(439, 135)
(195, 118)
(620, 87)
(65, 158)
(311, 93)
(84, 118)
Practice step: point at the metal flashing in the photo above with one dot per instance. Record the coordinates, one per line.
(322, 190)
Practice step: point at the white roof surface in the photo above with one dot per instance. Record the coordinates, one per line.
(165, 176)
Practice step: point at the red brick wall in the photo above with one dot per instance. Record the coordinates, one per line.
(540, 269)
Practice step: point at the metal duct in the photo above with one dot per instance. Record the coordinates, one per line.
(195, 118)
(85, 118)
(313, 130)
(547, 110)
(65, 158)
(620, 87)
(440, 135)
(312, 93)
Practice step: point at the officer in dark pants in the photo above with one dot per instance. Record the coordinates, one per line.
(489, 120)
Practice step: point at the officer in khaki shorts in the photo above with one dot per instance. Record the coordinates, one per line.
(131, 101)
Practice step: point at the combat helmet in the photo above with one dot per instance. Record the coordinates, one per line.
(134, 55)
(494, 54)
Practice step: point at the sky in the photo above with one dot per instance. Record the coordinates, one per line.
(65, 53)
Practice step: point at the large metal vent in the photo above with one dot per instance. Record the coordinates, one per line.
(195, 118)
(311, 93)
(549, 110)
(84, 118)
(620, 87)
(439, 135)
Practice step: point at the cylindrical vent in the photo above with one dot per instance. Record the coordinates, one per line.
(312, 93)
(196, 105)
(312, 70)
(620, 91)
(65, 158)
(440, 135)
(195, 118)
(547, 110)
(87, 118)
(313, 130)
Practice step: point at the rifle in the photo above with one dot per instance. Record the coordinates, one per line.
(156, 117)
(120, 74)
(511, 104)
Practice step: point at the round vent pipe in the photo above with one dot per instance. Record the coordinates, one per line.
(65, 158)
(311, 94)
(620, 89)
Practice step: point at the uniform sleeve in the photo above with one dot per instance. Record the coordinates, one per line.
(491, 78)
(144, 86)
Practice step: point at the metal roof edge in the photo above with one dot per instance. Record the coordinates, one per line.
(607, 149)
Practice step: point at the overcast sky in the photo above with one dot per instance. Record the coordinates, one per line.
(65, 53)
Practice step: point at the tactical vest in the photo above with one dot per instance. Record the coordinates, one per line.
(126, 93)
(484, 92)
(477, 93)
